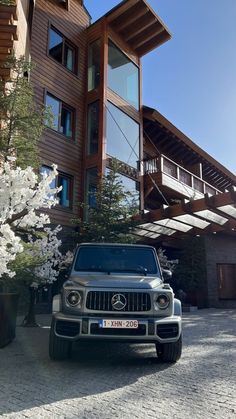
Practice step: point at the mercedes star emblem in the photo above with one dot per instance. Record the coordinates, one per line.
(118, 301)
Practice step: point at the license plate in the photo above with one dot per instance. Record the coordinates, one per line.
(119, 324)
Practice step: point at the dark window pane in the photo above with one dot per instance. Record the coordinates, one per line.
(91, 187)
(69, 58)
(55, 45)
(94, 65)
(54, 106)
(122, 136)
(123, 76)
(93, 127)
(66, 122)
(64, 194)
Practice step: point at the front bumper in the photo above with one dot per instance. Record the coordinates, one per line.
(74, 328)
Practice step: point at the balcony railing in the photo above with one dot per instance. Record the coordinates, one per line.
(166, 166)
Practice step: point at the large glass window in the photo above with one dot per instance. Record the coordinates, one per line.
(94, 65)
(122, 136)
(65, 195)
(123, 76)
(62, 50)
(93, 128)
(62, 116)
(91, 187)
(132, 187)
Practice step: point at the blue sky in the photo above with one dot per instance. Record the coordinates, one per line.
(191, 79)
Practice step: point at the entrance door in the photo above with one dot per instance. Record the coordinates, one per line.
(226, 281)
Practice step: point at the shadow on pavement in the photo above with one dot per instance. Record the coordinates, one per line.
(29, 378)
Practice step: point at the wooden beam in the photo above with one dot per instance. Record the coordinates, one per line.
(129, 17)
(4, 50)
(121, 9)
(146, 36)
(140, 25)
(9, 9)
(153, 43)
(9, 29)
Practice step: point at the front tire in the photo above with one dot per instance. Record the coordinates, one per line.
(59, 349)
(169, 352)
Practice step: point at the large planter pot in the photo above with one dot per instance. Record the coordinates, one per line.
(8, 312)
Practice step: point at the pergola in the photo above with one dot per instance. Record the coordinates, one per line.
(209, 215)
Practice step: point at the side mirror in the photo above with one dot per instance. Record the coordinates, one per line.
(167, 274)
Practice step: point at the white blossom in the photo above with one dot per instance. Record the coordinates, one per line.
(23, 196)
(47, 248)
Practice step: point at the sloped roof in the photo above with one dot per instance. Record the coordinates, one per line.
(173, 142)
(137, 23)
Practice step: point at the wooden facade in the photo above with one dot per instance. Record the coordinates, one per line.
(185, 190)
(53, 78)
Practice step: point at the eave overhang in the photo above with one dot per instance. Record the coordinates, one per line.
(210, 215)
(174, 142)
(138, 25)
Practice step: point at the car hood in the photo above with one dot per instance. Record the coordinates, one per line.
(116, 281)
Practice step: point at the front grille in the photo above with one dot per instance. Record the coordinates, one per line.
(96, 330)
(101, 301)
(66, 328)
(165, 331)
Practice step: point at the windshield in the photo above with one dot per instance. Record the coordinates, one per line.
(116, 259)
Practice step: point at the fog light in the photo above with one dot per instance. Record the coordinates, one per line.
(163, 301)
(74, 298)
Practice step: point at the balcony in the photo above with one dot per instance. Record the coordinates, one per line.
(8, 34)
(174, 181)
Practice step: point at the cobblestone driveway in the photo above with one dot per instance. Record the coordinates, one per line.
(123, 381)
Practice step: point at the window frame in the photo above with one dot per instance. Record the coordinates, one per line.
(71, 186)
(65, 41)
(108, 112)
(62, 105)
(120, 49)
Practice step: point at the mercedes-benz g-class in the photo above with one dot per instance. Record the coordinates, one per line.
(116, 292)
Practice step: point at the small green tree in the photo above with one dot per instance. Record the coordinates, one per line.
(21, 121)
(110, 220)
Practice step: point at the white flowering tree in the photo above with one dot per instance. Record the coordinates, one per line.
(25, 234)
(23, 196)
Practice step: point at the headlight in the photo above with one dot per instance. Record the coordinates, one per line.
(74, 298)
(163, 301)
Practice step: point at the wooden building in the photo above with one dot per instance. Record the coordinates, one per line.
(91, 76)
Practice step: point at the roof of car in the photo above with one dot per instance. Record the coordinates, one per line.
(115, 244)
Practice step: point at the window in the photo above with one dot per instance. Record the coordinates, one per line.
(91, 187)
(123, 76)
(132, 188)
(62, 116)
(122, 136)
(65, 197)
(30, 16)
(93, 128)
(94, 65)
(61, 50)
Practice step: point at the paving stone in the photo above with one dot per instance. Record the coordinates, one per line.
(110, 380)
